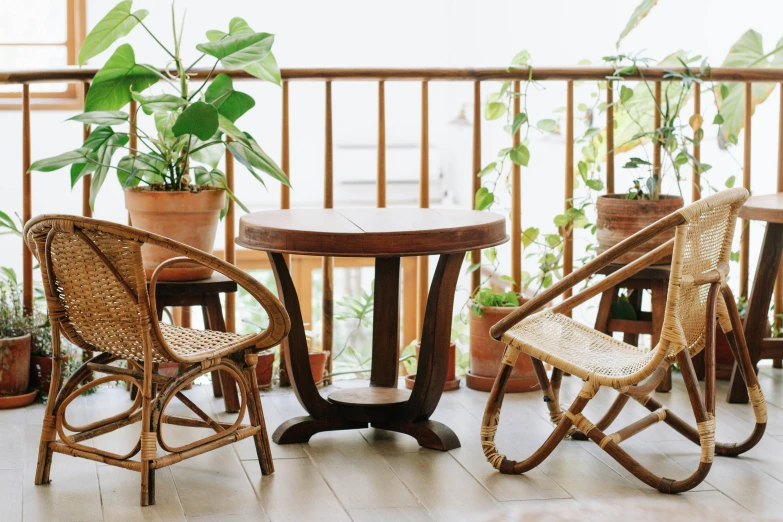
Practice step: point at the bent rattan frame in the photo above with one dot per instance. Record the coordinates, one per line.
(96, 293)
(698, 299)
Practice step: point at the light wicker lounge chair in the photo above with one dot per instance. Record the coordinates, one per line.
(698, 297)
(97, 297)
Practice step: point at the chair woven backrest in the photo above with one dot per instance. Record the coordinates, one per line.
(95, 286)
(700, 245)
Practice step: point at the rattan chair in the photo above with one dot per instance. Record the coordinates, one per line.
(97, 296)
(697, 297)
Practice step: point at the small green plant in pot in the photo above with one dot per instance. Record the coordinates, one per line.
(174, 172)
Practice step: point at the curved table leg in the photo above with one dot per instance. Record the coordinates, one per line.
(298, 365)
(428, 433)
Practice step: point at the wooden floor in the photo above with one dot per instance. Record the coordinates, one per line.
(372, 475)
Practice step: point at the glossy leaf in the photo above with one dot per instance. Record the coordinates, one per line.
(59, 161)
(637, 16)
(230, 103)
(158, 102)
(210, 155)
(252, 156)
(117, 23)
(97, 138)
(239, 50)
(199, 119)
(484, 198)
(494, 110)
(265, 69)
(520, 155)
(102, 157)
(101, 118)
(547, 125)
(111, 88)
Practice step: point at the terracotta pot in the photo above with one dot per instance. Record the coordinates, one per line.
(486, 355)
(40, 372)
(619, 218)
(452, 383)
(187, 217)
(14, 365)
(724, 359)
(17, 401)
(318, 366)
(264, 369)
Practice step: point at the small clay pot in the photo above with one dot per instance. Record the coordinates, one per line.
(486, 355)
(318, 366)
(264, 369)
(188, 217)
(40, 372)
(14, 365)
(452, 383)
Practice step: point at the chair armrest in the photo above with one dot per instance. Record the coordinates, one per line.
(279, 322)
(589, 269)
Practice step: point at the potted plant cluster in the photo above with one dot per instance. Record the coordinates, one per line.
(171, 182)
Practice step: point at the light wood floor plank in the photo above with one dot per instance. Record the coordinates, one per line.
(120, 496)
(11, 494)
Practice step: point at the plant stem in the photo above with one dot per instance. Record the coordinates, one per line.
(153, 36)
(205, 81)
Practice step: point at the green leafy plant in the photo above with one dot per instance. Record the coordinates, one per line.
(193, 128)
(14, 322)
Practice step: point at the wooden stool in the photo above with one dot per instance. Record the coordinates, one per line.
(206, 294)
(655, 279)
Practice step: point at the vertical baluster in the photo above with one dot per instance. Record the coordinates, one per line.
(568, 246)
(422, 263)
(744, 225)
(657, 125)
(230, 247)
(381, 181)
(133, 142)
(285, 162)
(27, 202)
(475, 256)
(609, 137)
(327, 303)
(87, 179)
(696, 184)
(777, 363)
(516, 207)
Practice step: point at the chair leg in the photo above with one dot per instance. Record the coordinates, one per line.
(48, 430)
(261, 439)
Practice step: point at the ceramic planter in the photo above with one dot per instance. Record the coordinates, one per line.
(452, 383)
(486, 354)
(264, 369)
(318, 366)
(619, 218)
(14, 365)
(187, 217)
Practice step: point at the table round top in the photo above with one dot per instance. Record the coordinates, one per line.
(767, 208)
(371, 232)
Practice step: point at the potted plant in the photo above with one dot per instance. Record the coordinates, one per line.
(172, 184)
(621, 215)
(452, 381)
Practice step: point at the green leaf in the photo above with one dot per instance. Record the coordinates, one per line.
(622, 309)
(519, 120)
(199, 119)
(553, 240)
(59, 161)
(230, 103)
(638, 14)
(520, 155)
(265, 69)
(594, 184)
(529, 236)
(111, 88)
(681, 159)
(132, 177)
(103, 157)
(547, 125)
(210, 156)
(101, 118)
(561, 220)
(521, 58)
(494, 110)
(718, 120)
(10, 224)
(491, 255)
(239, 50)
(484, 198)
(251, 155)
(97, 138)
(488, 169)
(626, 93)
(158, 102)
(730, 182)
(472, 267)
(117, 23)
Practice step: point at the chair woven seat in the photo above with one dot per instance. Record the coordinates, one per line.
(576, 348)
(187, 342)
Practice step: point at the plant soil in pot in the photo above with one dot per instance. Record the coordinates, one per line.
(619, 218)
(486, 354)
(190, 217)
(14, 365)
(452, 383)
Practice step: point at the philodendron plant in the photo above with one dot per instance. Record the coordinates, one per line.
(193, 128)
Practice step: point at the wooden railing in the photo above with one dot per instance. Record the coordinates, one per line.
(424, 76)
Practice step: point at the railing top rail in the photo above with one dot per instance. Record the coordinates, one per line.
(721, 74)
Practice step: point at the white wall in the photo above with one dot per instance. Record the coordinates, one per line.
(405, 33)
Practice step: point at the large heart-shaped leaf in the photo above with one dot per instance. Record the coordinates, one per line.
(101, 118)
(266, 68)
(111, 87)
(117, 23)
(239, 50)
(59, 161)
(638, 14)
(199, 119)
(158, 102)
(748, 51)
(230, 103)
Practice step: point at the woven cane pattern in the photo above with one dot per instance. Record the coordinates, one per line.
(759, 406)
(488, 443)
(149, 445)
(707, 438)
(49, 428)
(580, 422)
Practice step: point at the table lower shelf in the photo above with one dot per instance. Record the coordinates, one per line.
(369, 397)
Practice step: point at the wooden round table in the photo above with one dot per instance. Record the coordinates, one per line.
(767, 208)
(386, 235)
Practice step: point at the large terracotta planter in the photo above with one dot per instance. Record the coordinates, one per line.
(619, 218)
(452, 383)
(40, 372)
(187, 217)
(14, 365)
(486, 355)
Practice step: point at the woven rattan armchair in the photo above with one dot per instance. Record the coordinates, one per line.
(97, 296)
(698, 297)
